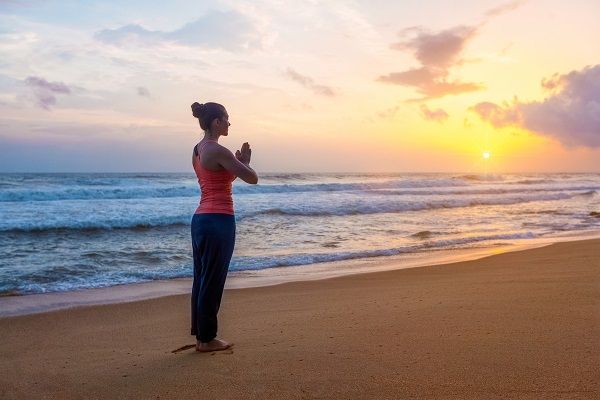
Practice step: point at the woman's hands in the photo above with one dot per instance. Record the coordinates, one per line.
(237, 164)
(244, 154)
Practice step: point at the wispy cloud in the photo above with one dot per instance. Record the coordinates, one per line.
(505, 8)
(56, 87)
(570, 114)
(389, 112)
(229, 30)
(142, 91)
(437, 52)
(309, 83)
(129, 33)
(437, 115)
(45, 91)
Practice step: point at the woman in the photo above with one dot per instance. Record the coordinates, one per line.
(213, 224)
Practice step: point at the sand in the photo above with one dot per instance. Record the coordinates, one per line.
(523, 325)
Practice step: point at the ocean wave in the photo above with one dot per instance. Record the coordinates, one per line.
(480, 178)
(87, 193)
(49, 284)
(590, 191)
(539, 212)
(146, 186)
(394, 207)
(191, 190)
(84, 276)
(95, 226)
(137, 219)
(532, 181)
(254, 263)
(384, 188)
(287, 177)
(423, 235)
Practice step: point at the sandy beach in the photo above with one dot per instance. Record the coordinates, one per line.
(520, 325)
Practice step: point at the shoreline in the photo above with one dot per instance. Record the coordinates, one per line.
(517, 325)
(11, 306)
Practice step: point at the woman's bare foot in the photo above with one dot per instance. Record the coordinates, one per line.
(213, 345)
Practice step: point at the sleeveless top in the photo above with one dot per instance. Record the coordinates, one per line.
(215, 186)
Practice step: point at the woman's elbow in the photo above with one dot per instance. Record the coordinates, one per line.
(251, 178)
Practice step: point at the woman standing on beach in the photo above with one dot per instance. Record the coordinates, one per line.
(213, 223)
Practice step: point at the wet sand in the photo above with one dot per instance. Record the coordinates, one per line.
(520, 325)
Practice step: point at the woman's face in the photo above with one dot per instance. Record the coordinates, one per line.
(222, 125)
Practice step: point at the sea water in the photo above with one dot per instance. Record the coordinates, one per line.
(63, 232)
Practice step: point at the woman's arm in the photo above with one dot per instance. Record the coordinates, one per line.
(240, 165)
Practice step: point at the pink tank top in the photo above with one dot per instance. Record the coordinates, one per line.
(215, 186)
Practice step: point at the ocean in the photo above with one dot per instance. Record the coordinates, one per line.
(65, 232)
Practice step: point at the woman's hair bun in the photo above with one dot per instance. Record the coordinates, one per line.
(196, 107)
(207, 113)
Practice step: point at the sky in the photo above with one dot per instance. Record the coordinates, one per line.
(313, 86)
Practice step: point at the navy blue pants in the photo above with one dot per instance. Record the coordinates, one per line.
(213, 239)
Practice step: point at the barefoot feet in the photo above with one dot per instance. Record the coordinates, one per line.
(213, 345)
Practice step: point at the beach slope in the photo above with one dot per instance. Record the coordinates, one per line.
(520, 325)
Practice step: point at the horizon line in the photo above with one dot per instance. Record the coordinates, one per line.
(309, 172)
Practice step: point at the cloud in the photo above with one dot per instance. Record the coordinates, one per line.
(142, 91)
(129, 33)
(309, 83)
(430, 82)
(229, 30)
(505, 8)
(437, 53)
(55, 87)
(438, 115)
(45, 91)
(389, 112)
(570, 114)
(553, 82)
(436, 49)
(498, 116)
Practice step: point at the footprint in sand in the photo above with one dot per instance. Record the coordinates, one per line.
(183, 348)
